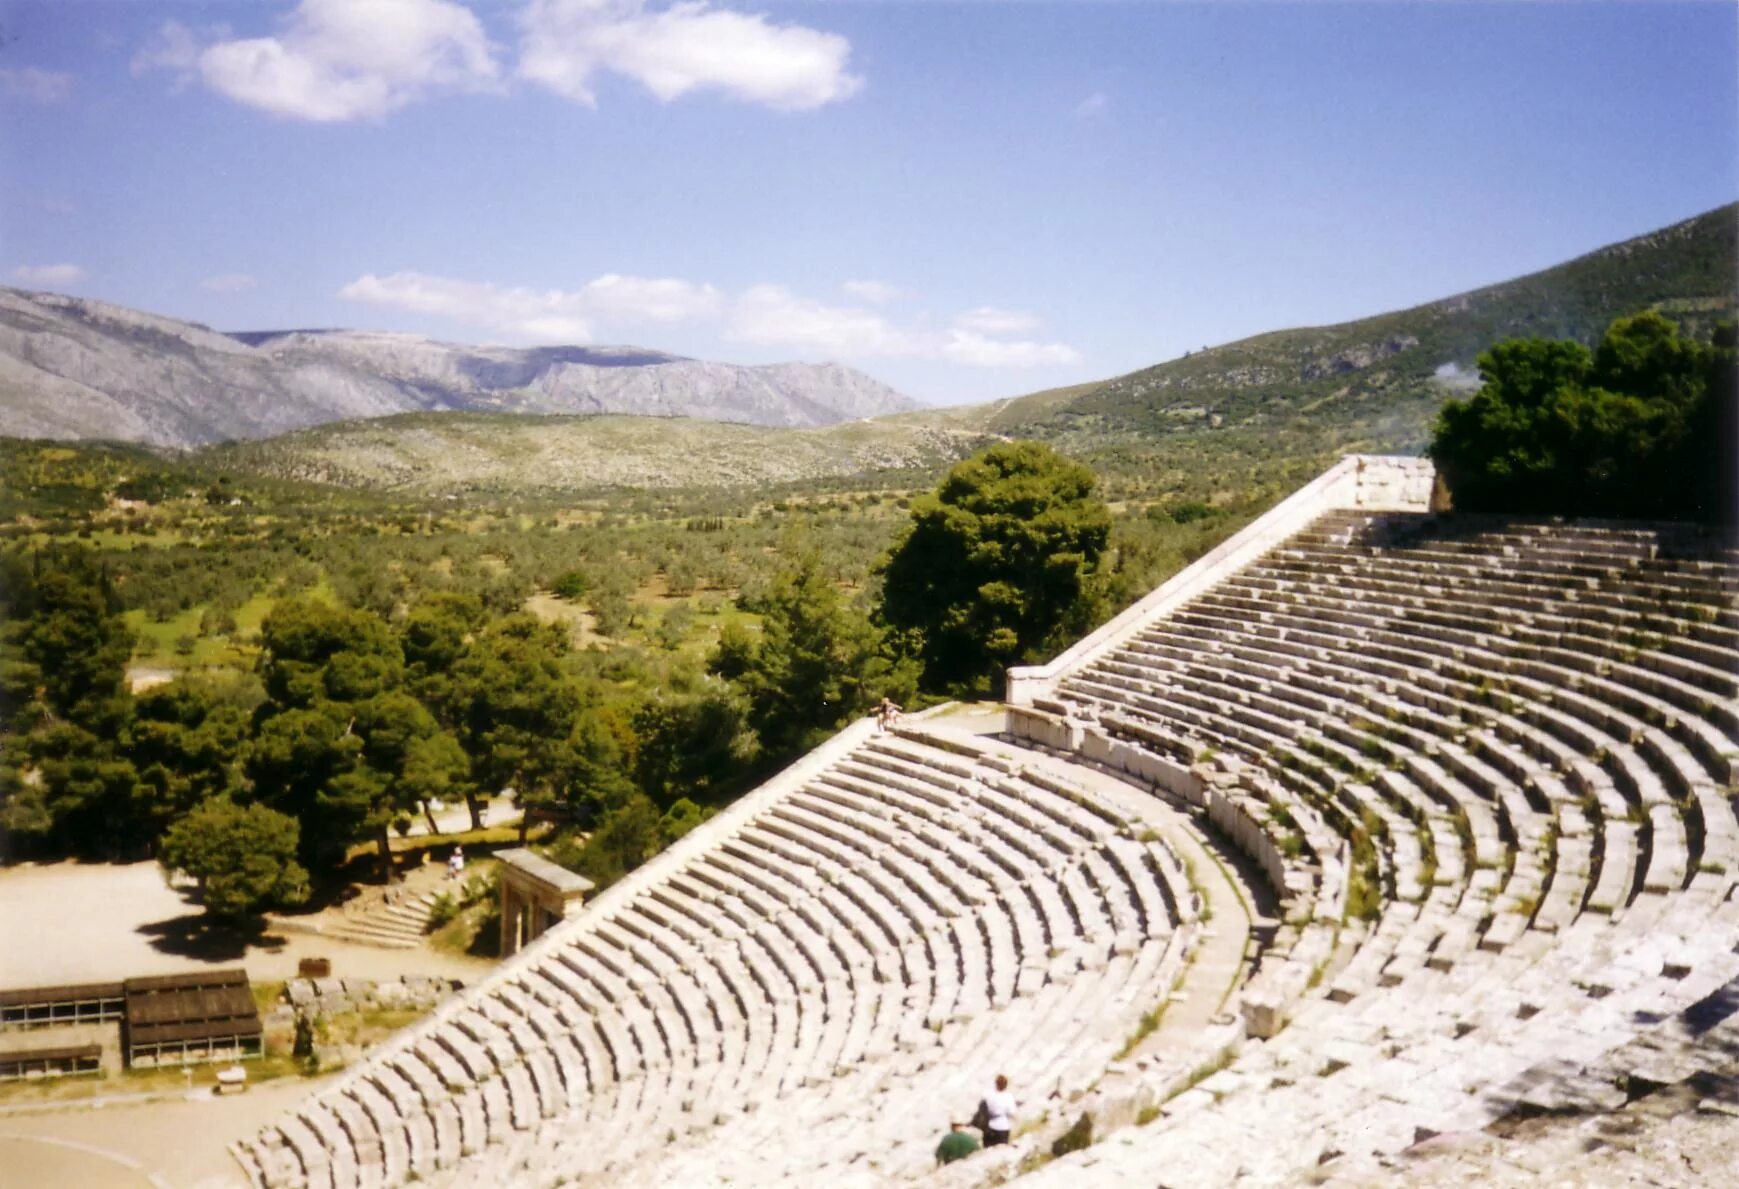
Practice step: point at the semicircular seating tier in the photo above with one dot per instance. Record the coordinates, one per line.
(1489, 766)
(846, 954)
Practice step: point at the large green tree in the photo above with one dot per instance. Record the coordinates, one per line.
(340, 743)
(244, 857)
(72, 633)
(816, 662)
(516, 709)
(67, 782)
(1643, 425)
(187, 742)
(994, 565)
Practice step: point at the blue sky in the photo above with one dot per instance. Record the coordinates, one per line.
(966, 200)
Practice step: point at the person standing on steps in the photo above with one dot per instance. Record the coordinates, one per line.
(998, 1111)
(886, 714)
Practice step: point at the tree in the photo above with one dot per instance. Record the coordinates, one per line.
(515, 711)
(85, 790)
(1641, 426)
(994, 564)
(339, 743)
(243, 857)
(628, 836)
(690, 745)
(64, 707)
(406, 758)
(186, 741)
(314, 652)
(598, 779)
(437, 631)
(817, 662)
(73, 634)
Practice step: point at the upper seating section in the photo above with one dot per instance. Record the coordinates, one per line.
(1489, 765)
(894, 898)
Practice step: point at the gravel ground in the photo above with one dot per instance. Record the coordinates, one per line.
(91, 922)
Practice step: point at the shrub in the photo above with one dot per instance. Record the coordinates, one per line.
(1077, 1138)
(1641, 426)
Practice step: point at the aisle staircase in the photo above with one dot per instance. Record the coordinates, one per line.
(394, 918)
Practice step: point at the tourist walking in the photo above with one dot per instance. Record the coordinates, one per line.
(456, 862)
(997, 1111)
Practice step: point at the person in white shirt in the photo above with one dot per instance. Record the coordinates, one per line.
(998, 1113)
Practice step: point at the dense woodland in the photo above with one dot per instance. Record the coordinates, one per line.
(316, 667)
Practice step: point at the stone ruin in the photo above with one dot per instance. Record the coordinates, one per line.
(1457, 794)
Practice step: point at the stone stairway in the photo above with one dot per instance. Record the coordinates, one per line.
(396, 918)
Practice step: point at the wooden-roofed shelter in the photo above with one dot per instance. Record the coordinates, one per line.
(178, 1019)
(76, 1003)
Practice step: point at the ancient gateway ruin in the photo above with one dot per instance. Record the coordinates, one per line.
(1371, 826)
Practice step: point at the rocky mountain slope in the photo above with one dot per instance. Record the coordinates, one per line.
(75, 368)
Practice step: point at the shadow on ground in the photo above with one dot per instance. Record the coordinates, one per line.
(193, 936)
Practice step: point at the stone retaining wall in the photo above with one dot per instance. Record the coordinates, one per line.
(331, 996)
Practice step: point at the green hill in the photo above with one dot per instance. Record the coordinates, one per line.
(1378, 381)
(431, 454)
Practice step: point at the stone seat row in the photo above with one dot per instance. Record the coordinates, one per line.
(1583, 903)
(1590, 645)
(1530, 774)
(1127, 971)
(1382, 652)
(901, 890)
(1587, 779)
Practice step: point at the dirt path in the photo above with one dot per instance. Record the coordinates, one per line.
(170, 1143)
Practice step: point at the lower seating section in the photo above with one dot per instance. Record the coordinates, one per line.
(839, 960)
(1490, 767)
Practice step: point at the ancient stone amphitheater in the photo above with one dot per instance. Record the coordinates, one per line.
(1372, 829)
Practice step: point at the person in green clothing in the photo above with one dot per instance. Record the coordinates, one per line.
(958, 1144)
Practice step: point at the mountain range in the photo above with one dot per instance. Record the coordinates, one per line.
(73, 368)
(398, 412)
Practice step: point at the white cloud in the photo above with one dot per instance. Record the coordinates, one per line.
(541, 315)
(992, 320)
(874, 292)
(35, 84)
(977, 350)
(49, 274)
(1093, 104)
(765, 314)
(773, 315)
(650, 299)
(336, 60)
(687, 47)
(229, 282)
